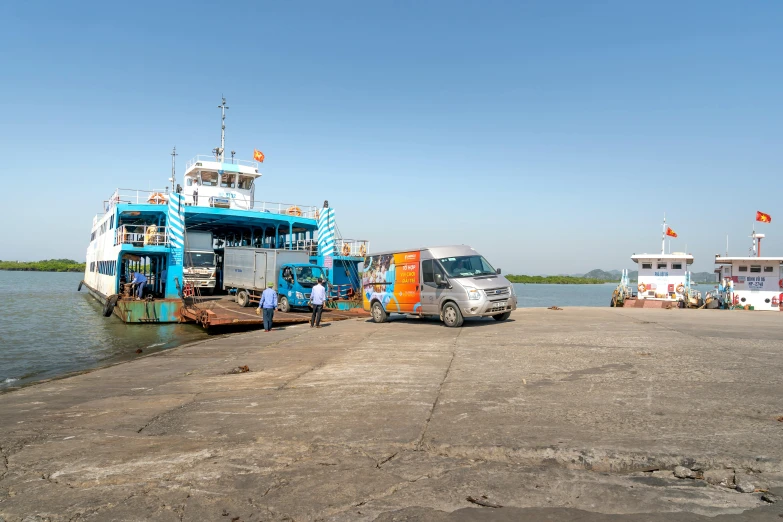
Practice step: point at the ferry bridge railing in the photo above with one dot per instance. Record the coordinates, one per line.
(231, 161)
(141, 235)
(160, 197)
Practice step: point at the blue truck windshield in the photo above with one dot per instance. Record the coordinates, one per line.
(307, 276)
(466, 266)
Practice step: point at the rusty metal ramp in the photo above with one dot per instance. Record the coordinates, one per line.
(223, 311)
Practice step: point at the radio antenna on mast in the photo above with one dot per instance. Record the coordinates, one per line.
(173, 167)
(219, 152)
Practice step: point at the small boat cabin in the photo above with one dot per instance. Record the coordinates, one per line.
(753, 281)
(664, 277)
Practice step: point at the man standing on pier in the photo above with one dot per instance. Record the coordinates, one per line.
(317, 300)
(268, 304)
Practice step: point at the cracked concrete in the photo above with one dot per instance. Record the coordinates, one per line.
(580, 414)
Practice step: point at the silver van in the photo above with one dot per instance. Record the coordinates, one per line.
(451, 282)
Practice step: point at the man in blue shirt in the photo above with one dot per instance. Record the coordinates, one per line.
(268, 304)
(139, 280)
(317, 300)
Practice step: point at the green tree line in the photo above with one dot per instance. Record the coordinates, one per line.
(47, 265)
(556, 280)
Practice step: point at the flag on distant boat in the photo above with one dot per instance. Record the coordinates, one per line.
(670, 232)
(764, 218)
(258, 155)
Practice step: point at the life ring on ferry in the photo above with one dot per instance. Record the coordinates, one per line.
(642, 287)
(346, 249)
(156, 198)
(680, 288)
(294, 211)
(363, 250)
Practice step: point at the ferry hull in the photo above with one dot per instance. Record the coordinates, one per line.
(142, 312)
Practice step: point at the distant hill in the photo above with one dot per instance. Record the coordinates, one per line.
(611, 275)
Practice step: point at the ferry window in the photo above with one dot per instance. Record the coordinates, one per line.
(189, 182)
(676, 266)
(646, 265)
(209, 179)
(227, 181)
(743, 269)
(756, 269)
(768, 269)
(661, 265)
(245, 182)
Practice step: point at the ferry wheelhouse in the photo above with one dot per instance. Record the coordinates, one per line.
(153, 233)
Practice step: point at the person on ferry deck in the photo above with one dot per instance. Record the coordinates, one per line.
(195, 196)
(139, 280)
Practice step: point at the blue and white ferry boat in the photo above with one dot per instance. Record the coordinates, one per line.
(151, 232)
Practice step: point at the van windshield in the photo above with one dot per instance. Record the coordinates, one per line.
(466, 266)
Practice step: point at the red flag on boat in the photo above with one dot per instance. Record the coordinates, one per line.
(764, 218)
(670, 232)
(258, 155)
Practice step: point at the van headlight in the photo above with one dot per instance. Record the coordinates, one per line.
(299, 295)
(511, 289)
(473, 294)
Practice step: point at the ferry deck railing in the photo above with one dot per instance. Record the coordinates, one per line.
(141, 235)
(351, 247)
(231, 161)
(160, 197)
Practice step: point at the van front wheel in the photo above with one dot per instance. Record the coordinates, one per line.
(379, 315)
(452, 317)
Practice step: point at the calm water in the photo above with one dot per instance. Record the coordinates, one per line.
(531, 296)
(47, 328)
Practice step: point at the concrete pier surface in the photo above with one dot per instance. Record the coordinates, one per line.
(581, 414)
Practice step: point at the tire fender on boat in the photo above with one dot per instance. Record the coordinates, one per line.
(79, 289)
(111, 302)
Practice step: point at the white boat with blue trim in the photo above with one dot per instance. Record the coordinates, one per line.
(175, 238)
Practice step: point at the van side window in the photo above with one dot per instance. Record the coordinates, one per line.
(427, 274)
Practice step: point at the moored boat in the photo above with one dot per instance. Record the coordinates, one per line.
(175, 237)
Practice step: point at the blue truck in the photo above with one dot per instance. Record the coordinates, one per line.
(248, 270)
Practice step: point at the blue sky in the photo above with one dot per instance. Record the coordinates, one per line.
(551, 136)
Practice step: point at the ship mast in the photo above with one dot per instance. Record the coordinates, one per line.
(173, 167)
(219, 152)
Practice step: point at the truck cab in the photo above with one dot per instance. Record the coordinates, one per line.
(295, 284)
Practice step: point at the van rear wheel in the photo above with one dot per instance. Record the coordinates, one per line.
(379, 315)
(452, 317)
